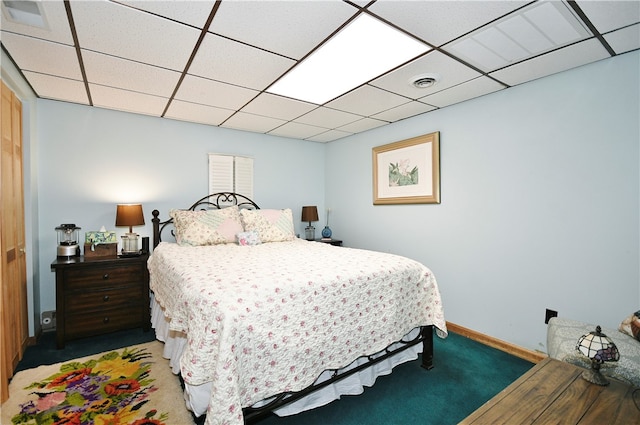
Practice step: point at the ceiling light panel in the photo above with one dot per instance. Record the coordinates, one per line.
(531, 31)
(363, 50)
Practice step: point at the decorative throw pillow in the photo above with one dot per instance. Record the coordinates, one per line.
(248, 238)
(631, 325)
(207, 227)
(271, 225)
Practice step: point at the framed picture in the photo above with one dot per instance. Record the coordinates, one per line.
(407, 172)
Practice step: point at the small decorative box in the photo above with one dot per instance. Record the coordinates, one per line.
(100, 244)
(100, 237)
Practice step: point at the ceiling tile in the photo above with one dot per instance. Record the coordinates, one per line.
(560, 60)
(329, 136)
(290, 28)
(136, 51)
(125, 74)
(450, 72)
(229, 61)
(193, 112)
(213, 93)
(251, 122)
(123, 100)
(465, 91)
(190, 12)
(438, 22)
(536, 29)
(132, 34)
(367, 100)
(297, 130)
(56, 17)
(267, 104)
(401, 112)
(327, 118)
(610, 15)
(32, 54)
(50, 87)
(362, 125)
(624, 40)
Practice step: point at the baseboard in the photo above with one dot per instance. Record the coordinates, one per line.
(524, 353)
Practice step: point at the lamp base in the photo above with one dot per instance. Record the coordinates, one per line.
(310, 233)
(595, 377)
(130, 244)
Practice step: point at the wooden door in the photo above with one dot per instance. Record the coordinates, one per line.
(13, 296)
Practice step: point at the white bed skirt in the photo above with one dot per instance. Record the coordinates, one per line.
(197, 396)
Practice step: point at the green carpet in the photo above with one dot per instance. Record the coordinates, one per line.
(465, 375)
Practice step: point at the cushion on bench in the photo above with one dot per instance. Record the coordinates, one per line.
(563, 335)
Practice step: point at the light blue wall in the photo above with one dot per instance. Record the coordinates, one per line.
(90, 159)
(539, 202)
(540, 193)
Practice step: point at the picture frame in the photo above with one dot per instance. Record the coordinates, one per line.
(408, 171)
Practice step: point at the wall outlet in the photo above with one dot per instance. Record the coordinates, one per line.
(549, 314)
(48, 320)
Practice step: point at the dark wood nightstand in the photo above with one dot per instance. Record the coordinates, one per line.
(334, 242)
(100, 295)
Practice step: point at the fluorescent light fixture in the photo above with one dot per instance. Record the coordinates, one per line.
(361, 51)
(531, 31)
(26, 12)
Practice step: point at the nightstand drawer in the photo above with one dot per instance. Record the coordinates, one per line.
(88, 278)
(78, 325)
(99, 295)
(103, 299)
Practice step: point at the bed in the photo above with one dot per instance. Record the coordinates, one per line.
(258, 320)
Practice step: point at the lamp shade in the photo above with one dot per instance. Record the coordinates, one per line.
(129, 215)
(310, 213)
(598, 347)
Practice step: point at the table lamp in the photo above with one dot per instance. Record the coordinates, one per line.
(599, 348)
(129, 215)
(309, 214)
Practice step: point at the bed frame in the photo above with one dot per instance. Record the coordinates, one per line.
(251, 414)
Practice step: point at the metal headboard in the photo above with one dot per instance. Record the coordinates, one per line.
(214, 201)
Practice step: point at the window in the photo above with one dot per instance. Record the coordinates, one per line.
(230, 173)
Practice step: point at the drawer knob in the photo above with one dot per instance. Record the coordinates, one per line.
(105, 298)
(106, 276)
(105, 320)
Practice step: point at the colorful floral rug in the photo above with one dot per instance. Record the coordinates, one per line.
(132, 386)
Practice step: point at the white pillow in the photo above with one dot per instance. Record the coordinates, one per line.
(271, 225)
(207, 227)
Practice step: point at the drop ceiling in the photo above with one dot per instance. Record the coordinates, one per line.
(212, 62)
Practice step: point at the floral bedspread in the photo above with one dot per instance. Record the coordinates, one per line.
(269, 318)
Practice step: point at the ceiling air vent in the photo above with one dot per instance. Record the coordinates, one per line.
(424, 81)
(24, 12)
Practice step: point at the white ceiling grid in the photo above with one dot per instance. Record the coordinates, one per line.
(160, 58)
